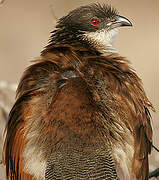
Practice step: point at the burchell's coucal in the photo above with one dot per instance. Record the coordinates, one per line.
(81, 111)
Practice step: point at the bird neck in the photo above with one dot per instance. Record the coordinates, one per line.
(65, 36)
(100, 42)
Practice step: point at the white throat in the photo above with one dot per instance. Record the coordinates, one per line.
(102, 40)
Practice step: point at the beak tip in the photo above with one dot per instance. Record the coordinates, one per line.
(124, 21)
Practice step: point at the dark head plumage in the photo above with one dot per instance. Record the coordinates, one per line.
(80, 19)
(75, 27)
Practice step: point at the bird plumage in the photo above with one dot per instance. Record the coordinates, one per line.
(80, 113)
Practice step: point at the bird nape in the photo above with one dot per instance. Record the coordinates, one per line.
(81, 111)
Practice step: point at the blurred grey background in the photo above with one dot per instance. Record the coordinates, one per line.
(25, 28)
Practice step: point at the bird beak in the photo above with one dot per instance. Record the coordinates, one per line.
(119, 22)
(122, 21)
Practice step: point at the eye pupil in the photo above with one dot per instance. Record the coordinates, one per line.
(95, 22)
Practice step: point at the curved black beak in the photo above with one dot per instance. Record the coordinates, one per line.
(119, 21)
(122, 21)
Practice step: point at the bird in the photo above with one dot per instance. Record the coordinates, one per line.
(81, 111)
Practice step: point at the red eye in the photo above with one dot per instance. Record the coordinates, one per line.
(94, 22)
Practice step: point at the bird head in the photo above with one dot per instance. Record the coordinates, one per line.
(95, 25)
